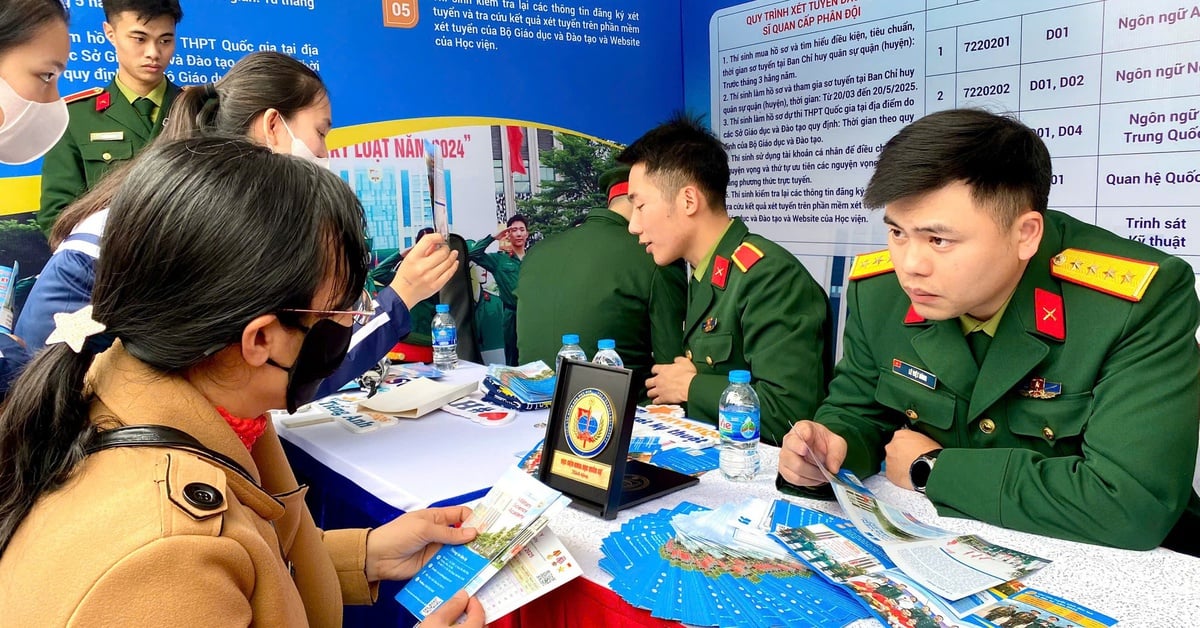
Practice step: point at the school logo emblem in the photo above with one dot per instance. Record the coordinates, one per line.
(589, 424)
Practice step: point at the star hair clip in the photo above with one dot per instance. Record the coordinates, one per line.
(74, 328)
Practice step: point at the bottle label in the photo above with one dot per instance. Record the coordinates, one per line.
(445, 336)
(737, 425)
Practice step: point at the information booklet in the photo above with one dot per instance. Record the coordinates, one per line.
(417, 397)
(949, 565)
(1038, 608)
(544, 565)
(670, 429)
(511, 515)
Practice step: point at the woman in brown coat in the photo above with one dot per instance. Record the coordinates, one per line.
(141, 482)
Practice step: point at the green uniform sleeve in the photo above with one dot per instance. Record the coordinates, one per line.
(1133, 479)
(783, 325)
(476, 252)
(851, 410)
(668, 306)
(63, 181)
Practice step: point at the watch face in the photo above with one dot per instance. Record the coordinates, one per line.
(918, 473)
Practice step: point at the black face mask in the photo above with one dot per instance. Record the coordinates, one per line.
(322, 352)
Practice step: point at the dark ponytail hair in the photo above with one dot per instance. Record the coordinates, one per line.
(20, 20)
(257, 82)
(206, 234)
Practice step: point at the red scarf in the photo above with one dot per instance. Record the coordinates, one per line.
(248, 430)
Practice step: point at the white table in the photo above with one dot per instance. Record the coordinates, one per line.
(407, 466)
(1157, 588)
(441, 457)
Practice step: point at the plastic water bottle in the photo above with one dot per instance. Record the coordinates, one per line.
(445, 339)
(570, 350)
(607, 354)
(739, 421)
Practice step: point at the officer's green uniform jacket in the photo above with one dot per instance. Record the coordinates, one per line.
(84, 155)
(771, 319)
(595, 280)
(1107, 457)
(506, 269)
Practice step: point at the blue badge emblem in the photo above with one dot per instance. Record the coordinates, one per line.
(588, 425)
(908, 371)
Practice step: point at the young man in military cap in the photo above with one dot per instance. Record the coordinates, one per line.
(1016, 365)
(594, 280)
(109, 125)
(751, 304)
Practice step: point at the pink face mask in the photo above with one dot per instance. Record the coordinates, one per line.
(30, 129)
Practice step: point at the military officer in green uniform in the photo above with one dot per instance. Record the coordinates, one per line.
(751, 304)
(505, 267)
(1017, 365)
(109, 125)
(595, 280)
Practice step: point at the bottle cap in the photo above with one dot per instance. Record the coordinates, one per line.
(442, 308)
(570, 339)
(739, 377)
(607, 343)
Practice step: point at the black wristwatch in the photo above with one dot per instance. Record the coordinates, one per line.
(919, 470)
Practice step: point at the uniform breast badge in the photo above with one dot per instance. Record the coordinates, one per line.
(908, 371)
(1039, 388)
(710, 324)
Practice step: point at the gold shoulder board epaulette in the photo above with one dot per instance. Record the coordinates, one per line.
(871, 264)
(84, 95)
(1118, 276)
(746, 256)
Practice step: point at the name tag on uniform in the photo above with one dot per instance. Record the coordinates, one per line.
(908, 371)
(108, 136)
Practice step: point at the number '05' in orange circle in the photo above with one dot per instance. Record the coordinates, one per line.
(400, 13)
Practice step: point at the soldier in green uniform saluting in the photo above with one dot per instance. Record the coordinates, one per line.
(1016, 365)
(109, 125)
(751, 304)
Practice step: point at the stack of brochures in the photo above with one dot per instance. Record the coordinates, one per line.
(514, 559)
(719, 568)
(664, 437)
(767, 564)
(909, 573)
(531, 383)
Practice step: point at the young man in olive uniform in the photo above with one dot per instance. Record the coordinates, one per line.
(110, 125)
(596, 281)
(751, 304)
(505, 267)
(1017, 365)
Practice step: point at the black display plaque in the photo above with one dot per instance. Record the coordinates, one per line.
(586, 451)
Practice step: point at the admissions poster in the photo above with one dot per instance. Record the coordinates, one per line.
(459, 73)
(495, 85)
(806, 92)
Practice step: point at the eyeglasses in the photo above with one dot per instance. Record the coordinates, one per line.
(364, 310)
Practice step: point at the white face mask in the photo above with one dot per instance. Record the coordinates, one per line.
(301, 150)
(30, 128)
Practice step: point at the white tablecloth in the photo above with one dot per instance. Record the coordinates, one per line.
(441, 456)
(423, 461)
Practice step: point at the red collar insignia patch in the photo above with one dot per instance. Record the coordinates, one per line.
(720, 271)
(104, 101)
(912, 318)
(1049, 314)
